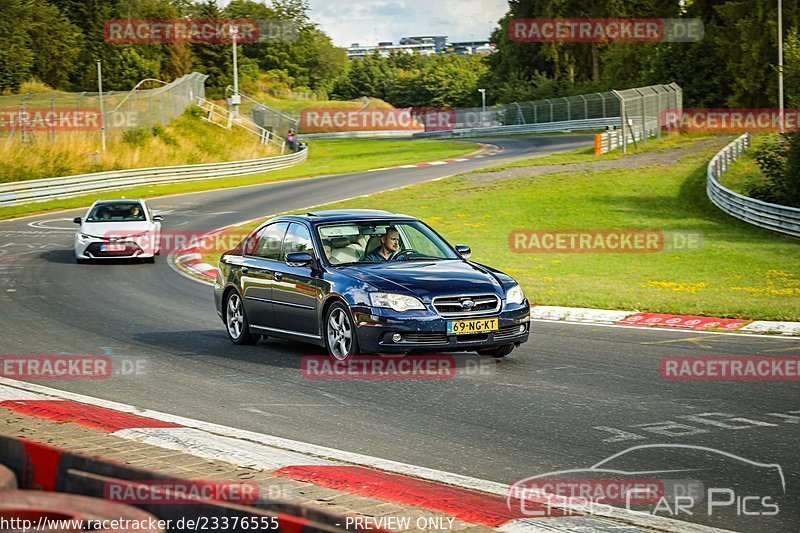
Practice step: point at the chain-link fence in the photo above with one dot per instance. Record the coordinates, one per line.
(43, 116)
(640, 109)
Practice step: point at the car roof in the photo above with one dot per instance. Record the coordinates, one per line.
(119, 201)
(347, 215)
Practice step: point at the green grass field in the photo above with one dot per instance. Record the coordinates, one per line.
(744, 172)
(740, 271)
(326, 156)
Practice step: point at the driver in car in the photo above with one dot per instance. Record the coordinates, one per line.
(390, 243)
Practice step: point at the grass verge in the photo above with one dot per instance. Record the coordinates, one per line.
(740, 271)
(744, 173)
(326, 156)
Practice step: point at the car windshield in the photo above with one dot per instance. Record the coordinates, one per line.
(351, 243)
(117, 212)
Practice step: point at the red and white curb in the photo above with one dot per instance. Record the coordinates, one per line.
(469, 499)
(662, 320)
(488, 150)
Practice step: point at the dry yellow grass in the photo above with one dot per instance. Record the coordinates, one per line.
(188, 140)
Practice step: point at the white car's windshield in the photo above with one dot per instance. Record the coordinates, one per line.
(117, 212)
(377, 241)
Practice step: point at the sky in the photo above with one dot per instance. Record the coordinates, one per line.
(371, 21)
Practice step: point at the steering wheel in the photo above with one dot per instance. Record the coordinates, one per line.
(402, 254)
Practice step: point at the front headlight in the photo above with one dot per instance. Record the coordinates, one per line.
(398, 302)
(515, 295)
(83, 237)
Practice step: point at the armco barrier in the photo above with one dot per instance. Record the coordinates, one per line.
(21, 192)
(780, 218)
(43, 467)
(544, 127)
(355, 134)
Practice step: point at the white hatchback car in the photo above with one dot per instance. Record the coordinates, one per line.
(118, 229)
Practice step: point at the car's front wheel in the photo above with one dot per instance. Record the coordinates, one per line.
(236, 320)
(340, 332)
(498, 352)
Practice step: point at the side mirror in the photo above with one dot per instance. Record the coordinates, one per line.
(299, 259)
(464, 250)
(157, 218)
(77, 220)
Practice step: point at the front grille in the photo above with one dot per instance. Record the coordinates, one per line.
(130, 248)
(425, 338)
(507, 332)
(452, 306)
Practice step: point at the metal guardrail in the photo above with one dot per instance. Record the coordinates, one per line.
(356, 134)
(775, 217)
(20, 192)
(544, 127)
(222, 117)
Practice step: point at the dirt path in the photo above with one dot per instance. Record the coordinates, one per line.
(657, 157)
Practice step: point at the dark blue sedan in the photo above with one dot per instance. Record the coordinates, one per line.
(364, 281)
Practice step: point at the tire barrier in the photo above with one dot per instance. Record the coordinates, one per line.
(59, 512)
(43, 467)
(8, 480)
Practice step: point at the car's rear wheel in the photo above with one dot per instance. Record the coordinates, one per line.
(498, 352)
(340, 332)
(236, 320)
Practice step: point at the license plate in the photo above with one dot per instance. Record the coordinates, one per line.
(478, 325)
(112, 247)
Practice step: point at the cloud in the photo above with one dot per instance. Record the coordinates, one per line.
(371, 21)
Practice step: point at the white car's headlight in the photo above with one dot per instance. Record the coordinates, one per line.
(398, 302)
(515, 295)
(83, 237)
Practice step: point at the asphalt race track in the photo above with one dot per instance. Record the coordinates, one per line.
(569, 398)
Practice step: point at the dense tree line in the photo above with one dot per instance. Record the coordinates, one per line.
(734, 65)
(59, 41)
(411, 80)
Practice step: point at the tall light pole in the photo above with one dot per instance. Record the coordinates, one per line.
(235, 99)
(780, 65)
(102, 107)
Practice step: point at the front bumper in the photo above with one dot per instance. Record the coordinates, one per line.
(426, 331)
(91, 249)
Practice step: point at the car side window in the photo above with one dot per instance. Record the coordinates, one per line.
(298, 239)
(267, 243)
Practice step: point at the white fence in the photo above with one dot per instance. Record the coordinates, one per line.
(621, 137)
(22, 192)
(769, 216)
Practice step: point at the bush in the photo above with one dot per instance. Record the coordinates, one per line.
(779, 162)
(162, 133)
(137, 137)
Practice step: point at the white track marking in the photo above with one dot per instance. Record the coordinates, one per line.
(213, 439)
(209, 446)
(669, 330)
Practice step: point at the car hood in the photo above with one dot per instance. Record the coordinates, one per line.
(427, 279)
(115, 229)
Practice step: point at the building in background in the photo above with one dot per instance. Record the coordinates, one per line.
(471, 47)
(423, 45)
(357, 50)
(439, 41)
